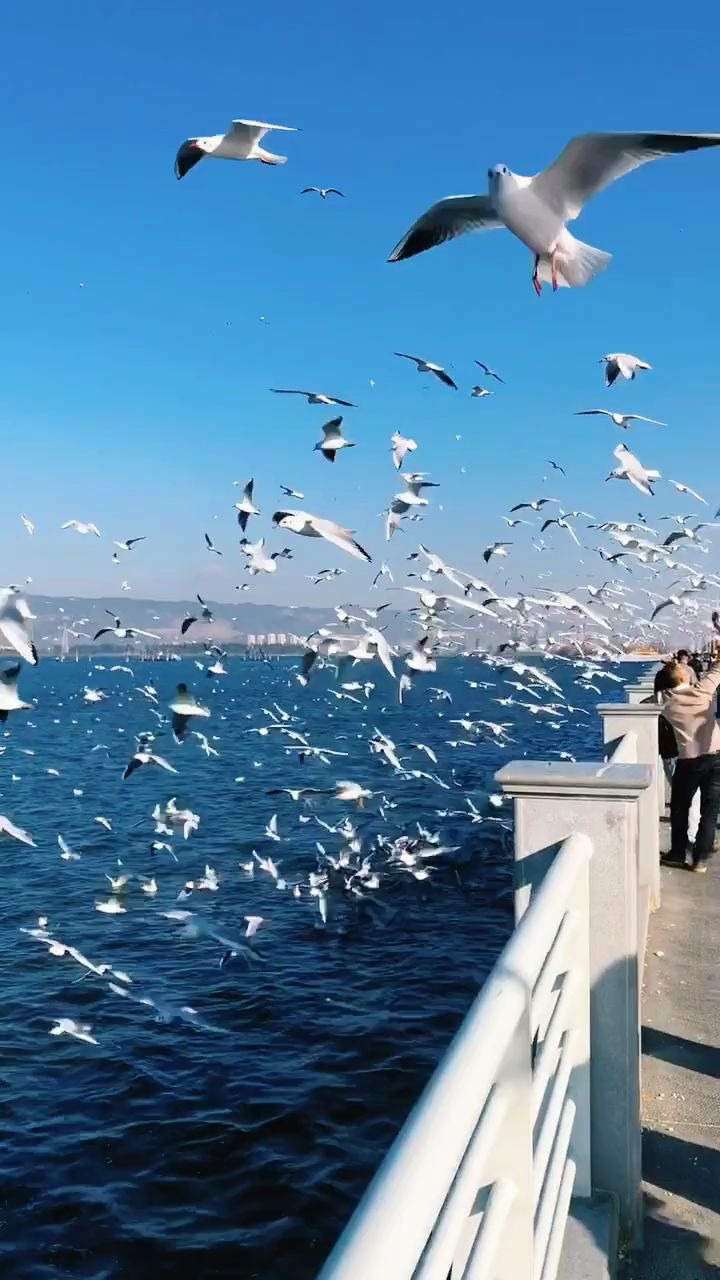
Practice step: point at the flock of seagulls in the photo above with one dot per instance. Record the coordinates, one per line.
(343, 728)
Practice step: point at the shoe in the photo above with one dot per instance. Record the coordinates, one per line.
(672, 860)
(700, 868)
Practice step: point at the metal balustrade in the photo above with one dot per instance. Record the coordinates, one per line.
(536, 1102)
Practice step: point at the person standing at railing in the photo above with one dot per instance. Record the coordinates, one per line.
(690, 710)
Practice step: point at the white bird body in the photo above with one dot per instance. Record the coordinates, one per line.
(241, 142)
(69, 1027)
(620, 419)
(401, 445)
(633, 470)
(80, 526)
(620, 364)
(537, 209)
(310, 526)
(333, 440)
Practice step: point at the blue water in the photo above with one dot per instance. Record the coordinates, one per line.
(232, 1141)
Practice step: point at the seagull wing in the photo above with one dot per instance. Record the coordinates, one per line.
(339, 536)
(256, 129)
(584, 413)
(638, 417)
(660, 608)
(445, 377)
(590, 162)
(188, 155)
(16, 635)
(445, 220)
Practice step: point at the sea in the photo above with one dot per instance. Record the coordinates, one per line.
(234, 1107)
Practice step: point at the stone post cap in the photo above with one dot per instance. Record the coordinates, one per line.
(562, 778)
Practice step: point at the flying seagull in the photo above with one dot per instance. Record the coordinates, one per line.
(400, 446)
(313, 397)
(426, 366)
(534, 505)
(14, 617)
(621, 365)
(490, 373)
(9, 700)
(310, 526)
(497, 549)
(536, 209)
(81, 527)
(239, 143)
(333, 440)
(28, 525)
(183, 707)
(291, 493)
(210, 545)
(632, 469)
(128, 544)
(245, 507)
(143, 756)
(556, 467)
(685, 488)
(479, 392)
(323, 192)
(123, 633)
(620, 419)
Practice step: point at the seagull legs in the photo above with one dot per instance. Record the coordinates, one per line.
(537, 284)
(553, 268)
(536, 278)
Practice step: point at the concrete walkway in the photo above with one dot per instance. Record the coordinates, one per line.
(681, 1082)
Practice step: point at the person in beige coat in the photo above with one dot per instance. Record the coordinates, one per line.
(690, 710)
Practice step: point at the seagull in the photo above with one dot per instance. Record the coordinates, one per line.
(28, 525)
(245, 507)
(323, 192)
(314, 397)
(333, 440)
(239, 143)
(128, 544)
(536, 209)
(426, 366)
(310, 526)
(562, 523)
(14, 617)
(123, 633)
(143, 756)
(497, 549)
(490, 373)
(260, 562)
(479, 392)
(69, 1027)
(411, 495)
(8, 828)
(401, 445)
(676, 600)
(183, 707)
(687, 532)
(556, 467)
(9, 700)
(632, 469)
(684, 488)
(210, 545)
(534, 505)
(620, 419)
(81, 527)
(292, 493)
(622, 365)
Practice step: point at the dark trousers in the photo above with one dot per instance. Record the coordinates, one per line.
(702, 773)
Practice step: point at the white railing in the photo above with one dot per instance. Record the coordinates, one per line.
(537, 1100)
(465, 1190)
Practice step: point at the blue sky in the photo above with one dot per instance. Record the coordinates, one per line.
(136, 399)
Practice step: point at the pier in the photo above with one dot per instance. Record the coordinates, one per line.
(572, 1129)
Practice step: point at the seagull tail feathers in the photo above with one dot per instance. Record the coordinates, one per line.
(576, 263)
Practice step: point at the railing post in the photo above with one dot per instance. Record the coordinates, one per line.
(600, 802)
(639, 691)
(641, 719)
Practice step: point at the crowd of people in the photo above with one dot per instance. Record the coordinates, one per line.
(686, 687)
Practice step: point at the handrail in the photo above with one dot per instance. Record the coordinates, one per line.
(407, 1210)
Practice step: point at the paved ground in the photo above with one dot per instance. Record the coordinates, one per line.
(681, 1082)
